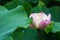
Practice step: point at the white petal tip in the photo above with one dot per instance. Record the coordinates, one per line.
(49, 15)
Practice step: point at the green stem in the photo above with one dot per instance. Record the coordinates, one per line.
(41, 34)
(38, 32)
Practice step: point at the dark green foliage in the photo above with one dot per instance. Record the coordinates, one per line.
(15, 21)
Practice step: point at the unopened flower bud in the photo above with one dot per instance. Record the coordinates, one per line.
(40, 20)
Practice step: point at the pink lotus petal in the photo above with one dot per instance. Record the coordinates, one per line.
(49, 17)
(41, 19)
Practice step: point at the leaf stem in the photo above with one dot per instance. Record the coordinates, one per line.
(41, 34)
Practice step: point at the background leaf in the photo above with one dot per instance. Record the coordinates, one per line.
(25, 34)
(56, 27)
(13, 4)
(55, 13)
(57, 0)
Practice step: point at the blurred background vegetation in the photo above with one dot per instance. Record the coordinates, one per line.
(48, 3)
(47, 6)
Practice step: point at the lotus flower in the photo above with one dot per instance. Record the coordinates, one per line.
(40, 20)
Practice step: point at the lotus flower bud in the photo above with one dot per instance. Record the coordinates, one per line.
(40, 20)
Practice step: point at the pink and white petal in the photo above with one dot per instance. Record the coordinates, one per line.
(49, 16)
(42, 25)
(31, 15)
(44, 16)
(47, 22)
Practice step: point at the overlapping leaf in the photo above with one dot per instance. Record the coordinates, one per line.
(12, 19)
